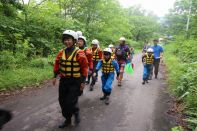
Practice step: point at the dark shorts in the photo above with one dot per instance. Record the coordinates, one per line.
(121, 64)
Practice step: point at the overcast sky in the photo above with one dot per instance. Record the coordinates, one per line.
(159, 7)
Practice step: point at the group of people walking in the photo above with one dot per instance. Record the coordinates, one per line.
(77, 66)
(151, 59)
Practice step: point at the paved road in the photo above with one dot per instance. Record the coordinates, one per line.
(133, 107)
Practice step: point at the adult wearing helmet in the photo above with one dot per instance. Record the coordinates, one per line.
(122, 54)
(108, 66)
(111, 46)
(97, 55)
(148, 59)
(81, 43)
(72, 66)
(158, 53)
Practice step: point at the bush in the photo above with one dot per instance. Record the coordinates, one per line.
(190, 82)
(11, 79)
(39, 62)
(182, 76)
(7, 60)
(186, 49)
(135, 44)
(10, 61)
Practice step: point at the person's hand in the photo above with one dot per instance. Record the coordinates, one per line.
(82, 86)
(54, 81)
(94, 75)
(90, 72)
(129, 57)
(161, 59)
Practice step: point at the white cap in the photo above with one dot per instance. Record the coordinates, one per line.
(122, 39)
(150, 50)
(71, 33)
(95, 42)
(107, 50)
(82, 37)
(111, 46)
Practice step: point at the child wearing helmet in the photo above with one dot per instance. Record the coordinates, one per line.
(148, 59)
(81, 43)
(108, 66)
(97, 55)
(111, 46)
(71, 66)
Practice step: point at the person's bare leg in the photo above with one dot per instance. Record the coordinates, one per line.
(120, 76)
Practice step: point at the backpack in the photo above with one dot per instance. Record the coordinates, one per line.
(120, 53)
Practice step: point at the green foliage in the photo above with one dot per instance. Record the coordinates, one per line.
(181, 56)
(135, 44)
(177, 128)
(17, 78)
(36, 29)
(192, 123)
(6, 60)
(188, 51)
(142, 27)
(9, 61)
(182, 68)
(30, 34)
(175, 22)
(39, 62)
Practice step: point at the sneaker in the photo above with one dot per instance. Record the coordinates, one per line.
(91, 88)
(146, 81)
(143, 82)
(87, 82)
(103, 98)
(77, 118)
(119, 83)
(65, 124)
(107, 101)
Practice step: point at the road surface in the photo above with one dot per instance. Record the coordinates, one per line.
(133, 107)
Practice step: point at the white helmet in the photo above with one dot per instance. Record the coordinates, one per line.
(95, 42)
(107, 50)
(71, 33)
(79, 33)
(122, 39)
(82, 37)
(150, 50)
(111, 46)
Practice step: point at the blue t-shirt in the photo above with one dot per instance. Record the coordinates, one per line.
(157, 49)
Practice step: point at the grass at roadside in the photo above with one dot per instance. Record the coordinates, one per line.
(26, 76)
(182, 84)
